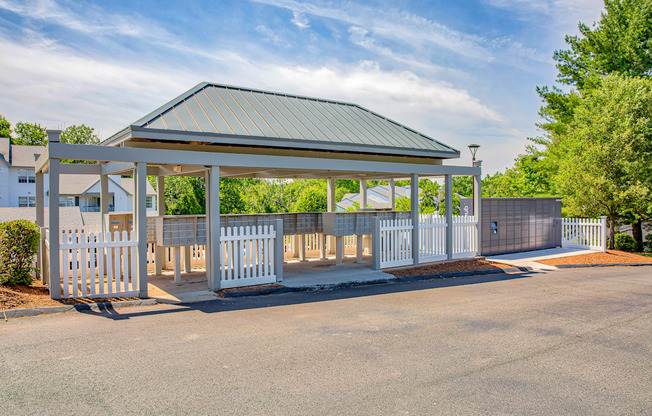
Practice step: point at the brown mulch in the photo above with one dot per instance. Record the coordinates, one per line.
(610, 257)
(221, 292)
(37, 294)
(447, 267)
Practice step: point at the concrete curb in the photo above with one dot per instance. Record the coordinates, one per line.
(577, 266)
(48, 310)
(278, 290)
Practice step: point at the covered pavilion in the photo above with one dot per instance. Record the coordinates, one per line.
(219, 131)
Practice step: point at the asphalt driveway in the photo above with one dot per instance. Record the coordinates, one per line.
(560, 342)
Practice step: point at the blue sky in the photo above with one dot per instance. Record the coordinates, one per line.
(460, 71)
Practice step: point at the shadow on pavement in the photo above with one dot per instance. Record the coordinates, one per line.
(294, 298)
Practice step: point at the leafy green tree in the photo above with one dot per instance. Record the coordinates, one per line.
(606, 166)
(185, 195)
(311, 199)
(29, 134)
(5, 127)
(81, 134)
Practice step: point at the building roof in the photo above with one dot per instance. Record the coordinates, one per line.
(244, 116)
(74, 184)
(19, 155)
(68, 216)
(377, 197)
(128, 185)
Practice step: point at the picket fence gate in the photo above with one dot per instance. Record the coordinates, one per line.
(432, 238)
(465, 242)
(247, 255)
(588, 233)
(395, 243)
(98, 264)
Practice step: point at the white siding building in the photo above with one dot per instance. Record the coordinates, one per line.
(17, 187)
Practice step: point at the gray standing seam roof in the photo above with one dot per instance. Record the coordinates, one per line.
(222, 110)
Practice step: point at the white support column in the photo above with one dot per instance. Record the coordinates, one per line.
(375, 241)
(213, 227)
(322, 246)
(414, 214)
(159, 253)
(603, 221)
(302, 247)
(104, 201)
(278, 250)
(358, 248)
(339, 250)
(140, 225)
(392, 194)
(40, 222)
(187, 259)
(177, 266)
(363, 194)
(448, 198)
(54, 274)
(330, 207)
(477, 211)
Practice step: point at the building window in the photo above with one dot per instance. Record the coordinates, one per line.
(149, 202)
(26, 201)
(25, 176)
(68, 201)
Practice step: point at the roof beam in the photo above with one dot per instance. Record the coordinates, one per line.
(160, 156)
(79, 169)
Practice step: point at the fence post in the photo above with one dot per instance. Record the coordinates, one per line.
(414, 215)
(278, 250)
(375, 244)
(603, 231)
(448, 198)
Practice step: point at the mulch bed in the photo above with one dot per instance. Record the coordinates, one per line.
(447, 267)
(37, 294)
(221, 292)
(610, 257)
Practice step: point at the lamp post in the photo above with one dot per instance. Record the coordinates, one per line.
(473, 148)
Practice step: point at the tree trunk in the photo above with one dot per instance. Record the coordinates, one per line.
(637, 233)
(612, 230)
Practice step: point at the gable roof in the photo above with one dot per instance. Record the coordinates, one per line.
(283, 120)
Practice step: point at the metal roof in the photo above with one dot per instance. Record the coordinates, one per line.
(289, 120)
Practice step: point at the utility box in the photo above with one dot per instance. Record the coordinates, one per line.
(511, 225)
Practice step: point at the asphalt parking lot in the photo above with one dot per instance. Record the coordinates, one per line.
(561, 342)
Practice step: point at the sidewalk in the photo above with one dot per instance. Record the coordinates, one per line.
(530, 258)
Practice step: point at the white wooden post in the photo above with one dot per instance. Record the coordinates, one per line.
(414, 214)
(140, 225)
(603, 231)
(477, 211)
(53, 219)
(213, 250)
(339, 250)
(392, 194)
(177, 266)
(322, 246)
(278, 250)
(160, 259)
(363, 194)
(104, 201)
(358, 248)
(40, 222)
(187, 260)
(375, 241)
(302, 247)
(448, 200)
(330, 207)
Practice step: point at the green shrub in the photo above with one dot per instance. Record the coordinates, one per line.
(19, 242)
(625, 242)
(647, 244)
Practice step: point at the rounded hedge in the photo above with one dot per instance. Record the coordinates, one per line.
(19, 242)
(625, 242)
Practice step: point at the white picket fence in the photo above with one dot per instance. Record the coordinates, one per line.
(432, 237)
(396, 239)
(465, 242)
(98, 264)
(586, 233)
(247, 256)
(395, 243)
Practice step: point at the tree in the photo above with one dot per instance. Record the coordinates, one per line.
(81, 134)
(5, 127)
(29, 134)
(311, 199)
(185, 195)
(606, 166)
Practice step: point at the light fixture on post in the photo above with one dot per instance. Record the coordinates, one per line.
(474, 149)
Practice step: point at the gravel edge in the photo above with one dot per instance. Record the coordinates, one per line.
(278, 290)
(577, 266)
(48, 310)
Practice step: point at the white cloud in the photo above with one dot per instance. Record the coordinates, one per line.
(300, 20)
(558, 12)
